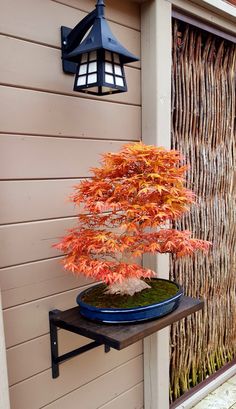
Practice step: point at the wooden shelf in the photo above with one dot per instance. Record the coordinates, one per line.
(120, 336)
(116, 336)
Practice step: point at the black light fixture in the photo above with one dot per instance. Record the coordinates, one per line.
(98, 59)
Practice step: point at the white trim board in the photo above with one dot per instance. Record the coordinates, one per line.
(203, 10)
(4, 391)
(156, 120)
(222, 6)
(206, 390)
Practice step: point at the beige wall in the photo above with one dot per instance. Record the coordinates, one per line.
(50, 136)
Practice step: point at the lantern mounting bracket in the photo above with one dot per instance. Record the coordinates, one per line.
(70, 38)
(69, 67)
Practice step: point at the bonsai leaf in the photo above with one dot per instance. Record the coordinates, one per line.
(129, 202)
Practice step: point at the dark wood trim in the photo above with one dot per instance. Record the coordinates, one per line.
(203, 25)
(202, 385)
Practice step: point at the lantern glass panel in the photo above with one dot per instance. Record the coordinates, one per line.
(108, 67)
(119, 81)
(109, 79)
(92, 78)
(118, 70)
(92, 66)
(83, 69)
(81, 80)
(108, 56)
(116, 58)
(92, 55)
(84, 57)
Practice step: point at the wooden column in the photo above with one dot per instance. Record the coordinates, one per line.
(4, 394)
(156, 114)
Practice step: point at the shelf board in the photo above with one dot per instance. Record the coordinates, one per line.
(120, 336)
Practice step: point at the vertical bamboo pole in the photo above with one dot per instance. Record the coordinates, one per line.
(156, 119)
(4, 395)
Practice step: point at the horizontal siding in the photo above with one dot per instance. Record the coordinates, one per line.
(18, 355)
(41, 389)
(28, 321)
(36, 363)
(40, 21)
(50, 137)
(30, 200)
(25, 242)
(123, 12)
(28, 282)
(51, 78)
(106, 388)
(29, 293)
(132, 399)
(61, 115)
(39, 157)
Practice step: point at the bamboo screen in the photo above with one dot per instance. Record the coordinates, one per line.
(203, 129)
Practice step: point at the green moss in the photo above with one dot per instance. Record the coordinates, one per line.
(159, 291)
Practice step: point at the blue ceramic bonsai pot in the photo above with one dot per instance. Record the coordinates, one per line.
(129, 315)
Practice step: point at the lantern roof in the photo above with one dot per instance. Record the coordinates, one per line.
(101, 37)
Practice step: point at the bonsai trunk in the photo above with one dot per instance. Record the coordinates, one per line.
(129, 286)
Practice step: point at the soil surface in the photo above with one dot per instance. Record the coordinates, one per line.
(159, 291)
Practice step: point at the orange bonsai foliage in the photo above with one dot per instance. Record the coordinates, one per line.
(128, 203)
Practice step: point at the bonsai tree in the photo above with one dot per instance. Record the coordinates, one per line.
(129, 204)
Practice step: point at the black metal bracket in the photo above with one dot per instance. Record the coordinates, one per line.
(69, 67)
(55, 358)
(71, 38)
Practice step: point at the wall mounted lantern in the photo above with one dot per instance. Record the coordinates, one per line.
(98, 59)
